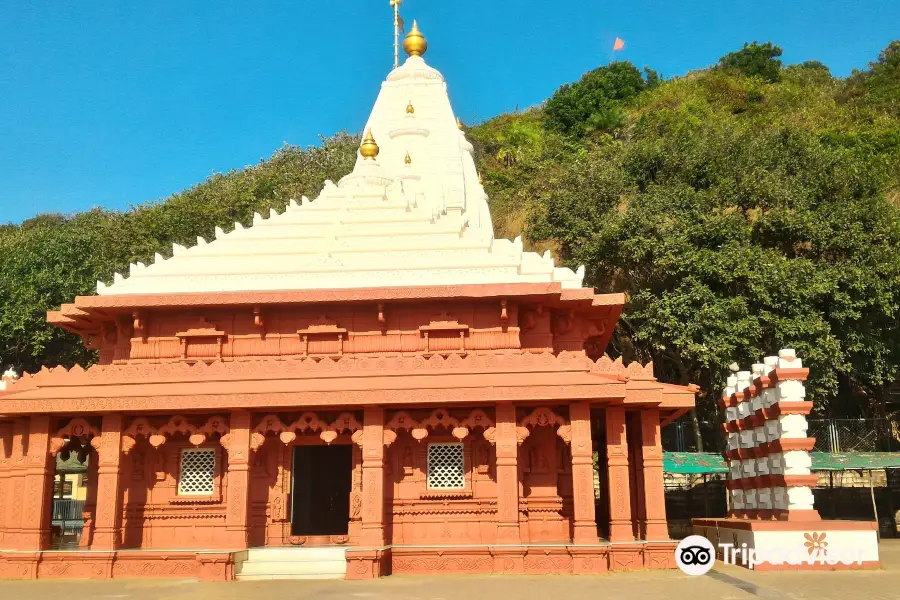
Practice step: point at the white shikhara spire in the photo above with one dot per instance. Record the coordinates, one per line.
(411, 213)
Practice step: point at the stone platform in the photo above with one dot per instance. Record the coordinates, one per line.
(792, 545)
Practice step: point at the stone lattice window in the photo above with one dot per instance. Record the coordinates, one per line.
(446, 467)
(198, 471)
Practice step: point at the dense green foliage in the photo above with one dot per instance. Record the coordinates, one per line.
(596, 102)
(742, 208)
(755, 60)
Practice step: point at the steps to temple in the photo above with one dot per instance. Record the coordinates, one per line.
(257, 564)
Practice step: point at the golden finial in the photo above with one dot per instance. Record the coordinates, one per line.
(459, 124)
(408, 159)
(409, 108)
(415, 44)
(368, 149)
(480, 179)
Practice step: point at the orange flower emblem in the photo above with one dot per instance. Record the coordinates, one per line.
(815, 542)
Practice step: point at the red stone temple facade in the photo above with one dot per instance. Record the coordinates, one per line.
(370, 373)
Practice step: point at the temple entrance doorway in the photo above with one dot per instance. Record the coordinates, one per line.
(320, 490)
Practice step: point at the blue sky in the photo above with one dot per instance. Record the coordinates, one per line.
(116, 103)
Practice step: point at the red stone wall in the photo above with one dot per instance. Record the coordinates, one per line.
(155, 516)
(367, 329)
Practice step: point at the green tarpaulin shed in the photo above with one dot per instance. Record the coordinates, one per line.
(698, 463)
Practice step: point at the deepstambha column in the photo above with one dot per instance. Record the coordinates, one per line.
(617, 462)
(585, 527)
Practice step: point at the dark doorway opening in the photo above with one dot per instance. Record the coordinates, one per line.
(321, 490)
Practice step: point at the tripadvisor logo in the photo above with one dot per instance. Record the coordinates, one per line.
(695, 555)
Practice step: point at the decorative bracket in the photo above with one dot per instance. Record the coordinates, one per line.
(139, 324)
(259, 321)
(382, 319)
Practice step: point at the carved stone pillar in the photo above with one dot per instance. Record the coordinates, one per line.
(6, 433)
(372, 530)
(89, 512)
(654, 526)
(507, 446)
(585, 529)
(15, 482)
(617, 461)
(237, 444)
(108, 519)
(38, 485)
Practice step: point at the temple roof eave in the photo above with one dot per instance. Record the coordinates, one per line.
(264, 385)
(87, 312)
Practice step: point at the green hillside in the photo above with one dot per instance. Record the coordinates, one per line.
(742, 208)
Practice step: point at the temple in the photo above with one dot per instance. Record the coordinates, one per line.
(366, 383)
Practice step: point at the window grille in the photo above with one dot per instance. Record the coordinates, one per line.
(198, 471)
(446, 467)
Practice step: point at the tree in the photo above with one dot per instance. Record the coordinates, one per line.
(732, 239)
(755, 60)
(879, 85)
(596, 101)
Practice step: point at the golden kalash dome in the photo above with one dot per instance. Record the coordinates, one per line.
(368, 149)
(414, 44)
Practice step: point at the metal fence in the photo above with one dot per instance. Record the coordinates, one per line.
(832, 435)
(67, 523)
(65, 509)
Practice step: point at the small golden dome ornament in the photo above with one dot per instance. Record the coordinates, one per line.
(410, 109)
(459, 124)
(414, 44)
(368, 149)
(408, 159)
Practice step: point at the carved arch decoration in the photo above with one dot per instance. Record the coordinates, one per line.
(157, 436)
(439, 417)
(308, 421)
(544, 417)
(77, 429)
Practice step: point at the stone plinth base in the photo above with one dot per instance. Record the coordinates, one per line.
(792, 545)
(534, 559)
(368, 563)
(206, 566)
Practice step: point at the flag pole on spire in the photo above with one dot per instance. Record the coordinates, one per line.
(398, 28)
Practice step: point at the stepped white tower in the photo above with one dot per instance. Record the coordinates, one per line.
(411, 213)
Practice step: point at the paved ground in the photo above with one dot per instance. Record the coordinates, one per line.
(722, 583)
